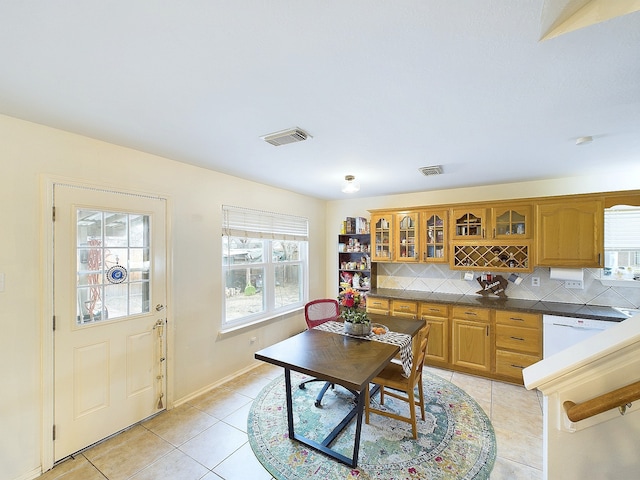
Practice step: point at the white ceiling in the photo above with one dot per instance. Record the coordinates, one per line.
(383, 87)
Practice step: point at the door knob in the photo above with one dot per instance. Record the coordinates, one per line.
(159, 308)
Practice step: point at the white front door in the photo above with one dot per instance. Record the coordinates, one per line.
(109, 303)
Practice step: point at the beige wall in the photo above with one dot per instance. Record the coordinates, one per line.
(200, 359)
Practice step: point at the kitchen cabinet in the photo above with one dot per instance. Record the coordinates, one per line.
(436, 315)
(404, 308)
(406, 247)
(518, 342)
(378, 305)
(354, 262)
(381, 237)
(570, 233)
(511, 222)
(471, 338)
(434, 236)
(495, 238)
(468, 223)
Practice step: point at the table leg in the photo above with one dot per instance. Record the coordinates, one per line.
(287, 383)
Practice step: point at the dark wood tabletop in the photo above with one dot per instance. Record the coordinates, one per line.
(347, 361)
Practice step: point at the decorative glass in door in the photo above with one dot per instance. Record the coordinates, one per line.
(407, 238)
(468, 224)
(381, 239)
(511, 222)
(113, 265)
(435, 250)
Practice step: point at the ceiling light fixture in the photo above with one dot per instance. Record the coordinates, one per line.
(350, 184)
(584, 140)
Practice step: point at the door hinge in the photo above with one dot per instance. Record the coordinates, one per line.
(54, 323)
(53, 214)
(54, 432)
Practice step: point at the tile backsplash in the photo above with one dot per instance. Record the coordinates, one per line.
(441, 279)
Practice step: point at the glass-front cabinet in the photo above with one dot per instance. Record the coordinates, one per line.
(381, 237)
(468, 223)
(433, 231)
(511, 222)
(406, 237)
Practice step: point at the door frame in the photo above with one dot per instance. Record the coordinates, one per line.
(47, 183)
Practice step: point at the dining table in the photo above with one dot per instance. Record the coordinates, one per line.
(345, 360)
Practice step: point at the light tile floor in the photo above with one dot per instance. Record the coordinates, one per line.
(206, 438)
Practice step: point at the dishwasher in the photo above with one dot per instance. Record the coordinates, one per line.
(563, 332)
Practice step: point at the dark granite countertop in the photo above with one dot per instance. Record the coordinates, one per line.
(593, 312)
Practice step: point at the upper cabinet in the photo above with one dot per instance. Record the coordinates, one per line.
(381, 237)
(504, 222)
(406, 246)
(511, 222)
(434, 236)
(468, 223)
(570, 233)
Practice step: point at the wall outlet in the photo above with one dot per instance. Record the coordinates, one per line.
(535, 281)
(574, 284)
(253, 340)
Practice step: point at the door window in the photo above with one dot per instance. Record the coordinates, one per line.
(113, 264)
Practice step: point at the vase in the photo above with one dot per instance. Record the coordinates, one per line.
(357, 328)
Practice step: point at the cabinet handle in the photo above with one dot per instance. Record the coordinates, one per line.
(404, 307)
(483, 233)
(487, 330)
(471, 313)
(518, 366)
(516, 319)
(518, 338)
(494, 233)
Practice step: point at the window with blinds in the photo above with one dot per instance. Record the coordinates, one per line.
(622, 242)
(265, 267)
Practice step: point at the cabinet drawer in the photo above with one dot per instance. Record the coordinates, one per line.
(511, 364)
(374, 303)
(531, 320)
(472, 313)
(404, 306)
(526, 340)
(434, 310)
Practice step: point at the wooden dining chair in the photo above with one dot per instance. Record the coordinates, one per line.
(317, 312)
(393, 383)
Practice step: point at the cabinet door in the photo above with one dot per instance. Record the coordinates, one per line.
(406, 237)
(438, 346)
(471, 345)
(433, 233)
(570, 234)
(468, 223)
(511, 223)
(404, 308)
(381, 237)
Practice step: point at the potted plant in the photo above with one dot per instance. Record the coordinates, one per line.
(355, 318)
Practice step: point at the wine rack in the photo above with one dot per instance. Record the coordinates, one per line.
(492, 257)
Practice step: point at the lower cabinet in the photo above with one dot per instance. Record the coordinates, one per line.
(404, 308)
(518, 342)
(378, 305)
(437, 316)
(471, 338)
(491, 343)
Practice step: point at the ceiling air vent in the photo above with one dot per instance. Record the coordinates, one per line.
(286, 136)
(433, 170)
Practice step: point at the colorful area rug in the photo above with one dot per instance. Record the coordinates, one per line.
(456, 441)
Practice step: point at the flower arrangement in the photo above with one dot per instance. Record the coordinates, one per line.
(350, 302)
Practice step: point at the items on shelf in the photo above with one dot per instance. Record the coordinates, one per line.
(355, 225)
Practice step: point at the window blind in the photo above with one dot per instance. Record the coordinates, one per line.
(250, 223)
(622, 228)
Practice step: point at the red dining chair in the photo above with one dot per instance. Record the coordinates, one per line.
(316, 313)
